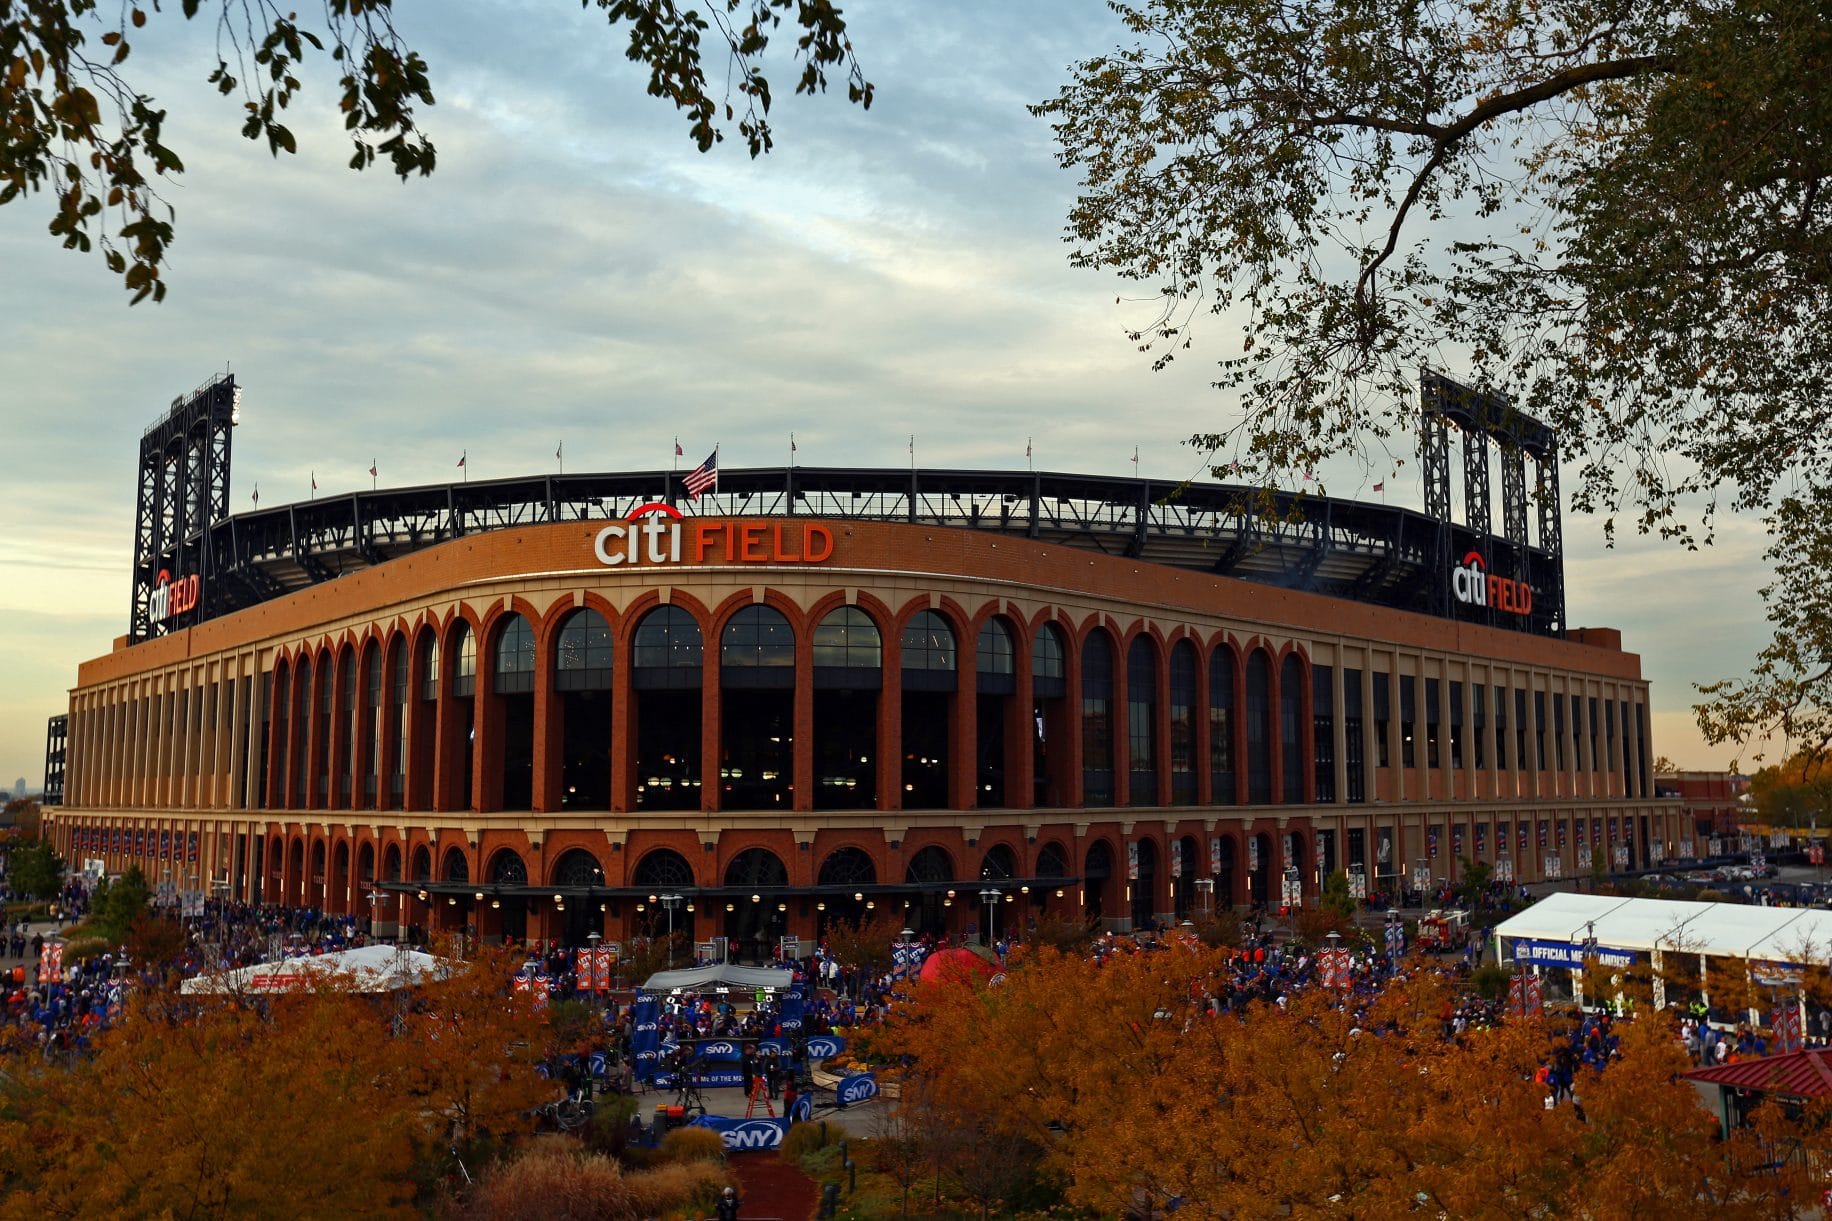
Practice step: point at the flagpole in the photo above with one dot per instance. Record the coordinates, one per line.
(791, 450)
(372, 475)
(559, 456)
(912, 451)
(677, 453)
(1029, 465)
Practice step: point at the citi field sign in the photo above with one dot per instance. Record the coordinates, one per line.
(658, 534)
(1470, 583)
(171, 597)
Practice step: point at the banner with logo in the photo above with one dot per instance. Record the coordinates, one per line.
(742, 1134)
(1176, 858)
(722, 1051)
(1786, 1023)
(1456, 839)
(191, 848)
(645, 1034)
(1431, 842)
(1524, 995)
(860, 1087)
(1596, 830)
(1253, 854)
(1132, 861)
(824, 1046)
(789, 1011)
(604, 963)
(1565, 954)
(1481, 840)
(1215, 856)
(1523, 836)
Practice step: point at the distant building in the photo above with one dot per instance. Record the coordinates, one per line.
(19, 787)
(1713, 800)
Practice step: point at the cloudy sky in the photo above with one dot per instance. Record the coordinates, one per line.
(576, 271)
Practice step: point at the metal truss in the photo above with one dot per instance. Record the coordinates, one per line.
(57, 736)
(182, 491)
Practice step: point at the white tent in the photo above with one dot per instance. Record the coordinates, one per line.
(728, 975)
(1715, 930)
(369, 968)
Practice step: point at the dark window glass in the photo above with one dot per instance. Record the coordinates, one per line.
(848, 639)
(1097, 720)
(757, 636)
(667, 638)
(1456, 726)
(1382, 753)
(1142, 722)
(1259, 728)
(994, 653)
(1354, 743)
(514, 658)
(1501, 728)
(429, 674)
(1046, 654)
(1183, 723)
(1407, 722)
(464, 681)
(1291, 731)
(1323, 730)
(1221, 725)
(1431, 723)
(928, 643)
(582, 656)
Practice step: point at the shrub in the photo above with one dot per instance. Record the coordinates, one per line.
(693, 1145)
(687, 1188)
(76, 949)
(610, 1127)
(1490, 982)
(550, 1182)
(803, 1139)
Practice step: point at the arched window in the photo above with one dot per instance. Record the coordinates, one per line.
(930, 865)
(391, 863)
(998, 864)
(1052, 861)
(457, 868)
(1291, 735)
(508, 868)
(846, 638)
(372, 676)
(514, 657)
(1142, 722)
(663, 869)
(995, 652)
(1222, 673)
(464, 678)
(758, 867)
(429, 666)
(422, 864)
(578, 868)
(667, 650)
(582, 662)
(848, 867)
(1047, 668)
(757, 636)
(1183, 723)
(928, 643)
(347, 680)
(1259, 728)
(1097, 720)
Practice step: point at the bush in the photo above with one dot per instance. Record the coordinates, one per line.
(610, 1127)
(687, 1188)
(549, 1182)
(1490, 982)
(803, 1139)
(693, 1145)
(77, 948)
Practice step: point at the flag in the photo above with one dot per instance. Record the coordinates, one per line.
(1381, 486)
(791, 442)
(1027, 449)
(678, 452)
(556, 450)
(1135, 457)
(314, 481)
(257, 496)
(372, 468)
(1309, 475)
(704, 477)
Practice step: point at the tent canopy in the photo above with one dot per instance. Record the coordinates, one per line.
(370, 968)
(700, 979)
(1717, 930)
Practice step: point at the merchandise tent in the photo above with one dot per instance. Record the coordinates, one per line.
(1798, 935)
(371, 968)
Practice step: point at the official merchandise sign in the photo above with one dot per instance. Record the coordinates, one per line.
(1565, 954)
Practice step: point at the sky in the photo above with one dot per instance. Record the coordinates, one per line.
(575, 271)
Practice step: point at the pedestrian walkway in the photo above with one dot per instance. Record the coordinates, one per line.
(771, 1186)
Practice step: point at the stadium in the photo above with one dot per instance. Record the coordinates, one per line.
(600, 704)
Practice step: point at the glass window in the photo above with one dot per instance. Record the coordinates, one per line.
(1221, 725)
(667, 638)
(1323, 730)
(464, 681)
(757, 636)
(372, 677)
(928, 643)
(848, 639)
(1382, 704)
(1408, 691)
(1046, 654)
(515, 657)
(1183, 722)
(1097, 720)
(1142, 721)
(429, 675)
(1259, 728)
(582, 661)
(995, 653)
(1354, 745)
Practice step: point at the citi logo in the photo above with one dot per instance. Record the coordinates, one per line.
(652, 534)
(171, 597)
(1472, 585)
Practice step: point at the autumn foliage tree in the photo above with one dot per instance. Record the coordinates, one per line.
(1137, 1099)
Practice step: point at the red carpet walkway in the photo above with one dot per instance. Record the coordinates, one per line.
(773, 1188)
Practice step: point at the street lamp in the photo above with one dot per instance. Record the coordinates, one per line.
(990, 897)
(670, 901)
(1206, 887)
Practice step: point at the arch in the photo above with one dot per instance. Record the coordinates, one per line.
(998, 863)
(391, 863)
(996, 650)
(756, 709)
(848, 866)
(1097, 727)
(667, 665)
(1223, 722)
(457, 868)
(512, 668)
(1052, 860)
(1049, 660)
(508, 868)
(756, 867)
(365, 863)
(662, 868)
(848, 676)
(931, 865)
(582, 656)
(422, 864)
(462, 648)
(579, 868)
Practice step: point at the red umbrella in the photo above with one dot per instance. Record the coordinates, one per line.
(955, 966)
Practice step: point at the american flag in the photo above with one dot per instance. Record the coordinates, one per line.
(704, 477)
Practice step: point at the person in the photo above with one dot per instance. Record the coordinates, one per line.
(728, 1205)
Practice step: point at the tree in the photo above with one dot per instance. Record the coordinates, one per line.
(1610, 214)
(1472, 881)
(24, 815)
(1794, 792)
(74, 124)
(35, 869)
(116, 905)
(865, 943)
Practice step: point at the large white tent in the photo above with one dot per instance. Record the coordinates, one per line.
(369, 968)
(721, 975)
(1715, 930)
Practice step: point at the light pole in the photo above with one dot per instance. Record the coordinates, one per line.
(1206, 887)
(670, 901)
(990, 897)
